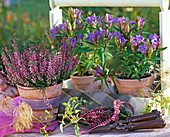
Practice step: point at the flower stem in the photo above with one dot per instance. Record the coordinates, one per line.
(6, 126)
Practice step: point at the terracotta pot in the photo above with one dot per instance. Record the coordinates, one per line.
(36, 101)
(130, 86)
(32, 93)
(81, 83)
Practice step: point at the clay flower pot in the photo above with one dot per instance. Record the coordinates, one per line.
(130, 86)
(81, 83)
(35, 99)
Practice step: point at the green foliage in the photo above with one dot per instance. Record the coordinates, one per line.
(43, 130)
(158, 101)
(71, 113)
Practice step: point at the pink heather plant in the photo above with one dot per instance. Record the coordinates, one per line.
(37, 67)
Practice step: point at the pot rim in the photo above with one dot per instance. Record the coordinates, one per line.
(37, 87)
(81, 76)
(71, 76)
(152, 75)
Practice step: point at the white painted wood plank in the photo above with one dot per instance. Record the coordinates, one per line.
(165, 41)
(107, 3)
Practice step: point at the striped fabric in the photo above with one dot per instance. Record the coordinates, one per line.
(99, 98)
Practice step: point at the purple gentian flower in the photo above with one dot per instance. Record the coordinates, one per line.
(80, 37)
(109, 19)
(63, 26)
(100, 34)
(97, 36)
(139, 38)
(155, 40)
(77, 21)
(51, 35)
(91, 20)
(143, 48)
(132, 22)
(73, 42)
(99, 21)
(79, 24)
(110, 36)
(78, 13)
(91, 37)
(54, 31)
(140, 21)
(99, 72)
(117, 35)
(153, 36)
(123, 42)
(136, 40)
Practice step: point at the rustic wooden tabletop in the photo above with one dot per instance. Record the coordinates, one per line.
(69, 132)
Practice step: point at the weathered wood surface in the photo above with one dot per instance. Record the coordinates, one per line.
(69, 132)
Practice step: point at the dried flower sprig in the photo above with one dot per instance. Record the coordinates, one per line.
(22, 115)
(6, 105)
(96, 115)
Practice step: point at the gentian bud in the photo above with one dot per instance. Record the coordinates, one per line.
(127, 29)
(69, 27)
(116, 41)
(148, 44)
(150, 51)
(106, 17)
(123, 25)
(137, 22)
(74, 25)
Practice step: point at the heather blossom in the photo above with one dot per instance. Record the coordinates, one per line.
(37, 67)
(96, 115)
(99, 115)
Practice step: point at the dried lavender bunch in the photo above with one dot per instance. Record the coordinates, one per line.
(37, 67)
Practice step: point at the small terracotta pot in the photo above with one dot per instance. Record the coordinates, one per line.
(35, 99)
(81, 83)
(130, 86)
